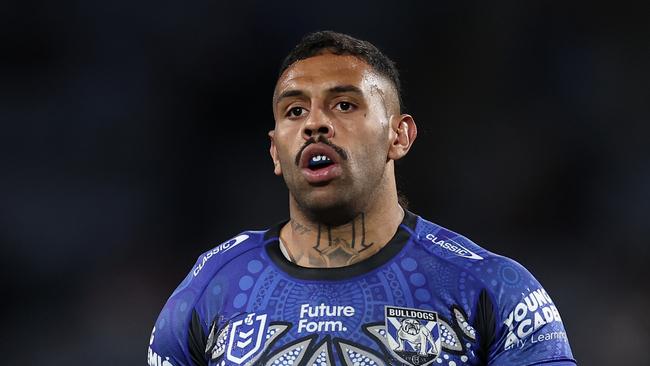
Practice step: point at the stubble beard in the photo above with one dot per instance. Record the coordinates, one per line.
(340, 209)
(347, 198)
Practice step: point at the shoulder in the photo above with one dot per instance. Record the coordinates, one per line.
(169, 338)
(526, 319)
(505, 280)
(212, 260)
(448, 244)
(224, 252)
(501, 276)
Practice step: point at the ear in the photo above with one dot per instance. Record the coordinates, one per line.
(403, 135)
(277, 168)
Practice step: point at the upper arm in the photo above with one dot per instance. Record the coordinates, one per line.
(168, 345)
(529, 329)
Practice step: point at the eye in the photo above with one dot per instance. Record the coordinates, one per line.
(296, 112)
(344, 106)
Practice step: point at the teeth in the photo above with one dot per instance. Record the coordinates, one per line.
(318, 158)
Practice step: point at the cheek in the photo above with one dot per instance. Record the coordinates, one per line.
(376, 142)
(285, 157)
(370, 156)
(285, 146)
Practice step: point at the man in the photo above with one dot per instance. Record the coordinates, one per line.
(352, 278)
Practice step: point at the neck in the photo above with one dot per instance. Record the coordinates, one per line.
(312, 244)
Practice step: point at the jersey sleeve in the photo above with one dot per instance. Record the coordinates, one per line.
(178, 337)
(529, 329)
(169, 344)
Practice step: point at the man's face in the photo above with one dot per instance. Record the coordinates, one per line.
(332, 132)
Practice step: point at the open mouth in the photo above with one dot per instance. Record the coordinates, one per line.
(319, 161)
(319, 164)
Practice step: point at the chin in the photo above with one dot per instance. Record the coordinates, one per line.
(332, 211)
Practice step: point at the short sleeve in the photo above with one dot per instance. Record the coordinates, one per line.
(529, 328)
(168, 344)
(178, 337)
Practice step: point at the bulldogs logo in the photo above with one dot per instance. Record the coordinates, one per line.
(417, 336)
(413, 335)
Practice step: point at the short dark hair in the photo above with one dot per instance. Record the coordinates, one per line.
(314, 44)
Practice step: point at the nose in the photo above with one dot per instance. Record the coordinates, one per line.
(318, 123)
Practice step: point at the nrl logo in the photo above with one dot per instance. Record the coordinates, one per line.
(246, 336)
(413, 335)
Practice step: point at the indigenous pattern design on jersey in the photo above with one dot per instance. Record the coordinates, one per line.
(428, 297)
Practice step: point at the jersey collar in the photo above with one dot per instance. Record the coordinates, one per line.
(390, 250)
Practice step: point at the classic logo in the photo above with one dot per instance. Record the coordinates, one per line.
(453, 247)
(413, 335)
(219, 249)
(246, 336)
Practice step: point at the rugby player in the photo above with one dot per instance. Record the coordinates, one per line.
(352, 277)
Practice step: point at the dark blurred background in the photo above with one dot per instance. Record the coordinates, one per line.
(134, 138)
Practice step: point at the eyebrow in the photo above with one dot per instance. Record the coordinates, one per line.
(290, 93)
(345, 89)
(332, 90)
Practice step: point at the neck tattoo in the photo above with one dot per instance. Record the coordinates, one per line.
(329, 249)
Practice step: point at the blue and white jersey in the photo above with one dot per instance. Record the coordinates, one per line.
(428, 297)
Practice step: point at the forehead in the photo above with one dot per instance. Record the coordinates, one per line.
(328, 70)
